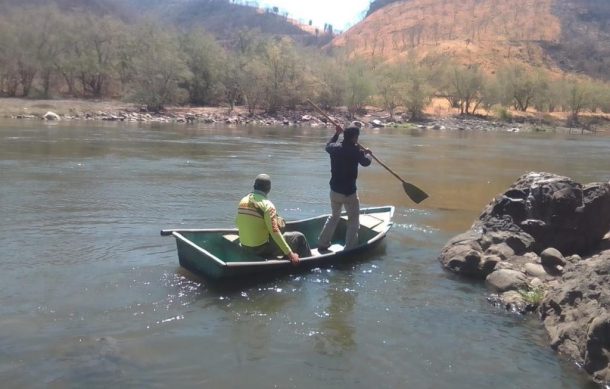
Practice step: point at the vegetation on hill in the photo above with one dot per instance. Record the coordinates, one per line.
(82, 54)
(224, 18)
(571, 36)
(584, 43)
(48, 51)
(97, 7)
(378, 4)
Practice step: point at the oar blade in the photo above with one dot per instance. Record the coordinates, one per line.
(414, 193)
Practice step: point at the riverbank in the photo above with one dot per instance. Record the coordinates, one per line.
(438, 118)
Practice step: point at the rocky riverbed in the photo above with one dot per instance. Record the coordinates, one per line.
(543, 246)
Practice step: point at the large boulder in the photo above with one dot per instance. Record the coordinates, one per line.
(556, 211)
(539, 211)
(503, 280)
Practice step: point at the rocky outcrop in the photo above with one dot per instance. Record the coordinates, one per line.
(554, 210)
(576, 314)
(538, 220)
(545, 244)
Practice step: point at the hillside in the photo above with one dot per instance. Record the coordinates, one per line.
(220, 17)
(584, 43)
(560, 35)
(223, 18)
(99, 7)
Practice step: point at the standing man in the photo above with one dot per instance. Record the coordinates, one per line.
(345, 157)
(260, 227)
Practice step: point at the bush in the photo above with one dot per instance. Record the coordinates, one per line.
(504, 114)
(533, 296)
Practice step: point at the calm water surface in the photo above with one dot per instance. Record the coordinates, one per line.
(92, 296)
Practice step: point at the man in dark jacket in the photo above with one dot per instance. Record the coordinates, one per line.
(345, 157)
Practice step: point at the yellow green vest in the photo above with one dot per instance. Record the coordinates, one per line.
(257, 220)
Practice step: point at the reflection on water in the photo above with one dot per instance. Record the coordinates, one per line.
(91, 295)
(336, 335)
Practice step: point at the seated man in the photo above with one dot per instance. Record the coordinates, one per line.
(259, 226)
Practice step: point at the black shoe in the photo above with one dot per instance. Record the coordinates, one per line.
(323, 249)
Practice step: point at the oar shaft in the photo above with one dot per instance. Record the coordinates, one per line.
(323, 113)
(386, 167)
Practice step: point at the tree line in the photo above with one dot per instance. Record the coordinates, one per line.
(45, 53)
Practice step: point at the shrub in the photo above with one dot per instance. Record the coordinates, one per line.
(504, 114)
(533, 295)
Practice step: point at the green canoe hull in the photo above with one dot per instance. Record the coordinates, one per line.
(216, 253)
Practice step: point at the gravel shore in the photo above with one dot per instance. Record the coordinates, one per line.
(113, 110)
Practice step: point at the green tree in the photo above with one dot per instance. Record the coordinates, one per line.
(579, 96)
(127, 48)
(555, 97)
(233, 74)
(416, 90)
(359, 86)
(231, 86)
(206, 60)
(51, 44)
(21, 47)
(330, 81)
(388, 87)
(491, 94)
(9, 80)
(521, 86)
(66, 62)
(462, 86)
(95, 52)
(603, 98)
(283, 74)
(252, 80)
(542, 90)
(161, 68)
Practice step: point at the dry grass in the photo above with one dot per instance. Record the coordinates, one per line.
(490, 33)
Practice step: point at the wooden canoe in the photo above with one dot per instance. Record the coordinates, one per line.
(217, 254)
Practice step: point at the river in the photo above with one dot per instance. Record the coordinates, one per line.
(92, 296)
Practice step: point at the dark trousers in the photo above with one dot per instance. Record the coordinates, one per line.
(296, 240)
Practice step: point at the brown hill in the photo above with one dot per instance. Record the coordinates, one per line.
(226, 19)
(569, 35)
(584, 43)
(223, 18)
(100, 7)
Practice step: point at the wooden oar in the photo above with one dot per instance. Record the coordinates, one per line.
(414, 193)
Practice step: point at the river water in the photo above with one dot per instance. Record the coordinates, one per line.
(92, 296)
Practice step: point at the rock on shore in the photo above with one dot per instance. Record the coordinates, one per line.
(544, 245)
(71, 110)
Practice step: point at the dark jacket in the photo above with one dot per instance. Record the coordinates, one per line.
(344, 159)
